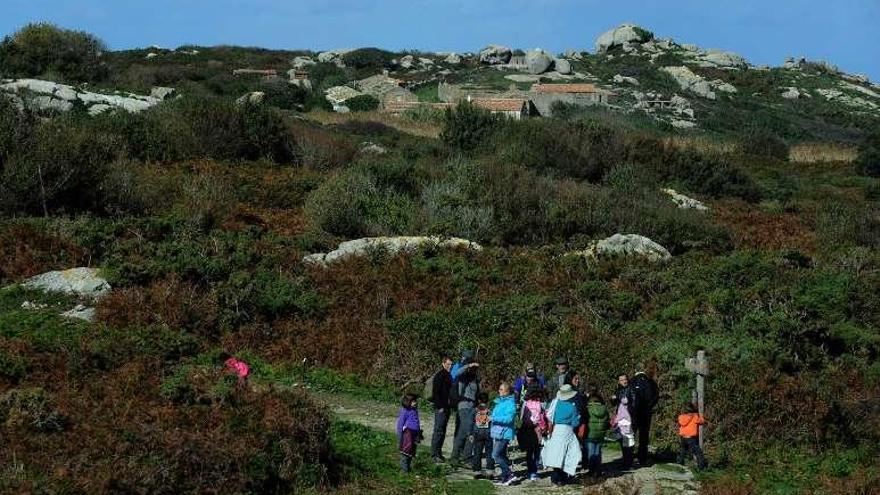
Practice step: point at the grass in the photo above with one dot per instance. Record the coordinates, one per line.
(428, 94)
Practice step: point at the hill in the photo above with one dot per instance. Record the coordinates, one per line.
(674, 199)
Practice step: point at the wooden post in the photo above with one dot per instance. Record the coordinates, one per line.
(700, 367)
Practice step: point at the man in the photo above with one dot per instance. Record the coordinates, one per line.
(625, 397)
(440, 396)
(531, 380)
(646, 394)
(563, 376)
(467, 386)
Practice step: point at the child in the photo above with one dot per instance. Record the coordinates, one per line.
(622, 424)
(689, 430)
(503, 419)
(237, 366)
(482, 437)
(597, 428)
(409, 430)
(533, 429)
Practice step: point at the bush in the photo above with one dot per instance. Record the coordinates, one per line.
(764, 143)
(362, 103)
(16, 129)
(467, 127)
(368, 58)
(41, 49)
(30, 409)
(868, 160)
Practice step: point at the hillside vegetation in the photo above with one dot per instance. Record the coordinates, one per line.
(199, 211)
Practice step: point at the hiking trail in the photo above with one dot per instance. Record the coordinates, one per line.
(658, 479)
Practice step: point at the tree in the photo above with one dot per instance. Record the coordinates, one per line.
(44, 49)
(868, 161)
(466, 127)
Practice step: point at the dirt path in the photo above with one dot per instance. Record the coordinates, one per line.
(659, 479)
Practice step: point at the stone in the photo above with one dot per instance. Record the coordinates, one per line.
(538, 61)
(562, 66)
(151, 55)
(453, 59)
(682, 124)
(371, 148)
(339, 94)
(252, 98)
(161, 93)
(426, 62)
(619, 79)
(625, 33)
(791, 93)
(625, 245)
(302, 62)
(80, 312)
(695, 83)
(391, 245)
(407, 61)
(684, 202)
(725, 59)
(326, 57)
(81, 282)
(495, 54)
(573, 54)
(30, 305)
(56, 97)
(98, 109)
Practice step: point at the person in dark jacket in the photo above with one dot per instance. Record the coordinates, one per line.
(562, 377)
(624, 397)
(580, 401)
(467, 385)
(646, 394)
(530, 380)
(440, 397)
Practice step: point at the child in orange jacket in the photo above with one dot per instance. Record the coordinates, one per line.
(689, 430)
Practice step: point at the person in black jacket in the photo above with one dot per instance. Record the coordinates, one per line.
(646, 394)
(625, 394)
(440, 397)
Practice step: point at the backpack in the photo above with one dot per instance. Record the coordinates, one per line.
(482, 420)
(428, 392)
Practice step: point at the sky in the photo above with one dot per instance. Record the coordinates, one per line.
(843, 32)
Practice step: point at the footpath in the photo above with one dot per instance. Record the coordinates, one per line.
(658, 479)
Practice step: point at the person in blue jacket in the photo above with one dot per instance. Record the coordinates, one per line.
(562, 451)
(503, 430)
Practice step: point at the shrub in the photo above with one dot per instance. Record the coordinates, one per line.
(764, 143)
(322, 149)
(868, 160)
(368, 58)
(467, 127)
(31, 409)
(16, 129)
(42, 48)
(362, 103)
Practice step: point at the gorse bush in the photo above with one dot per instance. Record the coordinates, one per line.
(362, 103)
(764, 143)
(868, 160)
(467, 127)
(368, 58)
(44, 49)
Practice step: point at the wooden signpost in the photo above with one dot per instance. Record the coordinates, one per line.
(699, 366)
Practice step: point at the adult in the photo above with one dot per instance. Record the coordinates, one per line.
(562, 451)
(531, 379)
(646, 395)
(441, 389)
(562, 377)
(581, 403)
(467, 389)
(466, 362)
(625, 417)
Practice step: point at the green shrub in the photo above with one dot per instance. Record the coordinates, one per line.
(362, 103)
(40, 49)
(764, 143)
(467, 127)
(31, 409)
(368, 58)
(16, 129)
(868, 160)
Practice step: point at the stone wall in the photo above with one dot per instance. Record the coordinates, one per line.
(544, 101)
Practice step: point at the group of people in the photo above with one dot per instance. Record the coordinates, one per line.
(558, 422)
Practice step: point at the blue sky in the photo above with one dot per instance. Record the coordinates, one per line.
(844, 32)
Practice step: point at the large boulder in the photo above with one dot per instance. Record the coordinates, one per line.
(302, 62)
(538, 61)
(684, 202)
(452, 59)
(495, 54)
(562, 66)
(391, 245)
(82, 282)
(47, 95)
(724, 59)
(252, 98)
(623, 34)
(625, 245)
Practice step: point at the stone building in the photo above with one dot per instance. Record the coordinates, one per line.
(543, 96)
(512, 108)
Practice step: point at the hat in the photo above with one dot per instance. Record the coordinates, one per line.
(561, 360)
(531, 373)
(566, 392)
(467, 355)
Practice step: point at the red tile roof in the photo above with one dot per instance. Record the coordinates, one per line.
(565, 88)
(498, 104)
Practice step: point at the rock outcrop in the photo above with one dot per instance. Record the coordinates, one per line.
(619, 79)
(81, 282)
(495, 54)
(538, 61)
(562, 66)
(695, 83)
(685, 202)
(620, 36)
(625, 245)
(453, 59)
(50, 96)
(714, 57)
(392, 245)
(302, 62)
(252, 98)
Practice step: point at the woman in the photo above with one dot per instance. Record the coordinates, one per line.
(562, 451)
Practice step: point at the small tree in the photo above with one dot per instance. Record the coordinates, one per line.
(362, 103)
(466, 127)
(868, 161)
(765, 143)
(43, 48)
